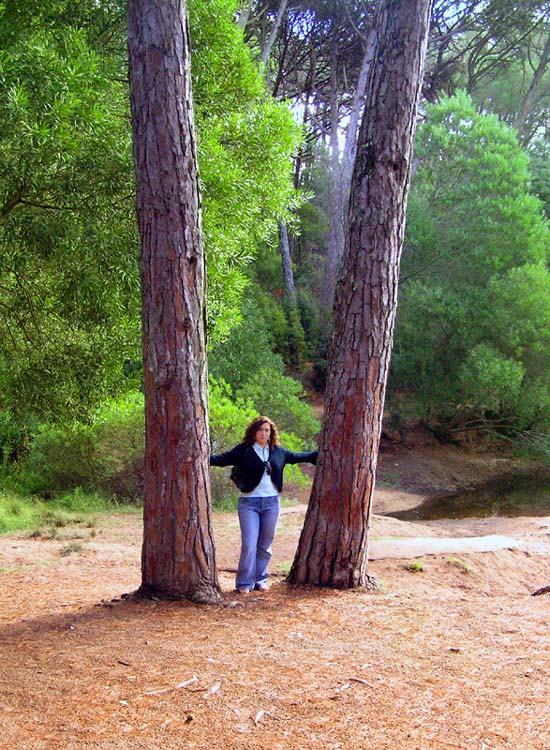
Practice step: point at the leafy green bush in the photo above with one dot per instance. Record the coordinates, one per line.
(281, 398)
(248, 349)
(106, 456)
(60, 458)
(119, 432)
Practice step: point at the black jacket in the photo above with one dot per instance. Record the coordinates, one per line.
(245, 457)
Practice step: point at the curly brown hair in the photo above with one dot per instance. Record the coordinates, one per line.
(254, 426)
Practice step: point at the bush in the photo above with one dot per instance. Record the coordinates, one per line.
(119, 447)
(106, 456)
(282, 399)
(60, 458)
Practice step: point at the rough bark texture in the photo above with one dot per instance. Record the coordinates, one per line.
(178, 558)
(333, 546)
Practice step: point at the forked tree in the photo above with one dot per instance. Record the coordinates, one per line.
(178, 556)
(333, 547)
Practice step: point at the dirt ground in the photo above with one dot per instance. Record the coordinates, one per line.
(451, 651)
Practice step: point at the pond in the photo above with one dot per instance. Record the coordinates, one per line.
(511, 496)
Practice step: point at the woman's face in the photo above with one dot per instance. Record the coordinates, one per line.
(263, 433)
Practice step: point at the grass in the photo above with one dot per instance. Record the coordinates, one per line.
(70, 548)
(414, 567)
(44, 519)
(283, 567)
(455, 562)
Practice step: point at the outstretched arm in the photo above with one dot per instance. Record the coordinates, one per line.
(229, 458)
(292, 457)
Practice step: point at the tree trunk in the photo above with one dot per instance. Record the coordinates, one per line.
(336, 237)
(522, 124)
(286, 261)
(178, 559)
(266, 51)
(333, 545)
(341, 174)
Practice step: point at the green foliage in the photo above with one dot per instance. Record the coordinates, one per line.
(60, 458)
(255, 374)
(282, 399)
(229, 416)
(540, 173)
(69, 289)
(414, 567)
(69, 281)
(248, 348)
(105, 456)
(489, 381)
(246, 140)
(473, 323)
(19, 511)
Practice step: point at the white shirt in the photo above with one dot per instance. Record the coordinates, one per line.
(265, 488)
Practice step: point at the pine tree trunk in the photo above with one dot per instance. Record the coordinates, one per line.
(333, 545)
(178, 559)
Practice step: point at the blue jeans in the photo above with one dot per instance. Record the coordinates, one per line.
(258, 518)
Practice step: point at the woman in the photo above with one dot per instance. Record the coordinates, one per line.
(260, 461)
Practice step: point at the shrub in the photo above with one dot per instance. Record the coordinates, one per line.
(282, 399)
(106, 456)
(60, 458)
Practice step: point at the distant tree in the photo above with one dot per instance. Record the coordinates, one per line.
(333, 545)
(178, 558)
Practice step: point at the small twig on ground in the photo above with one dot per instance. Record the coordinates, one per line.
(363, 682)
(185, 684)
(214, 689)
(258, 717)
(543, 590)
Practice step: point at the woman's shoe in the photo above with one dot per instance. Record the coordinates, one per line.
(261, 587)
(242, 591)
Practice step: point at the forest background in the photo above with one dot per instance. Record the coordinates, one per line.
(278, 92)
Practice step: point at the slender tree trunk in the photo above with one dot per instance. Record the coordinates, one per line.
(522, 121)
(178, 558)
(333, 545)
(336, 237)
(286, 261)
(266, 51)
(244, 14)
(341, 173)
(350, 143)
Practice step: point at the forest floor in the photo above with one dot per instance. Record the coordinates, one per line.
(451, 650)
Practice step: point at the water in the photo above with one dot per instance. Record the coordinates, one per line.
(508, 496)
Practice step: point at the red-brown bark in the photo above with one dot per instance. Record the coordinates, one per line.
(333, 546)
(178, 557)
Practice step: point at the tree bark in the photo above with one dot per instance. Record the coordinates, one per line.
(333, 547)
(178, 559)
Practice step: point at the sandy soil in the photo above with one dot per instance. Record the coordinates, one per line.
(450, 652)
